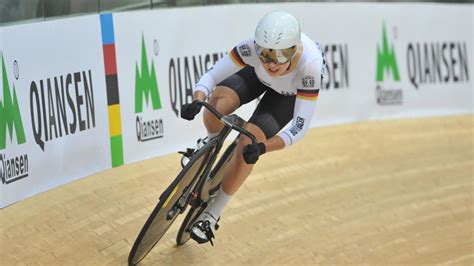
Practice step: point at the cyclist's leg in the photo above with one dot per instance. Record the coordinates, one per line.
(239, 89)
(237, 170)
(230, 94)
(226, 101)
(272, 114)
(233, 92)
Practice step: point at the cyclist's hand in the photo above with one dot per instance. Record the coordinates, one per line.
(190, 110)
(252, 152)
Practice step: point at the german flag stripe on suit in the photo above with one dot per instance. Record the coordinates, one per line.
(235, 56)
(311, 95)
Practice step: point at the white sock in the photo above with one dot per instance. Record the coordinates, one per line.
(211, 135)
(219, 204)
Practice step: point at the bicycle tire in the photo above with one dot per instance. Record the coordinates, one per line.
(183, 233)
(157, 224)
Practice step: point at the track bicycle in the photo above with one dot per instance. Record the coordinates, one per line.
(195, 186)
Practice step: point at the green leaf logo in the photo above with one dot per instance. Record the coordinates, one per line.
(386, 59)
(10, 117)
(146, 86)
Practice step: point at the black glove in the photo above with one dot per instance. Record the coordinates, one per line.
(252, 152)
(190, 110)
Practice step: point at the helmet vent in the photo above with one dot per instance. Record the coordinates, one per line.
(279, 38)
(278, 30)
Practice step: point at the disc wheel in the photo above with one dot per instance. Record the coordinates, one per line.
(167, 209)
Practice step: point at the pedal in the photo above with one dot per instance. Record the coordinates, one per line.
(186, 156)
(188, 153)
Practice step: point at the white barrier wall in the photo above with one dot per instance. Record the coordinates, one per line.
(82, 95)
(54, 123)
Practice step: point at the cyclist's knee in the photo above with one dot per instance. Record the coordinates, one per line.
(224, 99)
(256, 131)
(211, 123)
(244, 140)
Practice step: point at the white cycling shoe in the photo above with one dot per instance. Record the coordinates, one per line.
(202, 231)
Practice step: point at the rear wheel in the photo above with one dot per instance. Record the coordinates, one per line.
(217, 173)
(183, 233)
(172, 202)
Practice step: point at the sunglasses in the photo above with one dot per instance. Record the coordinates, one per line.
(277, 56)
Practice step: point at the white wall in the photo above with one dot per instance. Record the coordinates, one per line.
(176, 40)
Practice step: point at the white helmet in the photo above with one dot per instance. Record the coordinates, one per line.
(278, 30)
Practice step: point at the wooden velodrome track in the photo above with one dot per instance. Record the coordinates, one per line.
(392, 192)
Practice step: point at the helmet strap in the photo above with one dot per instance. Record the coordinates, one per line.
(289, 65)
(293, 57)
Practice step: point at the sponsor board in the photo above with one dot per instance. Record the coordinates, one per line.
(13, 165)
(143, 109)
(104, 90)
(427, 64)
(53, 123)
(157, 72)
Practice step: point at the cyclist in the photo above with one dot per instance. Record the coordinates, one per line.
(284, 65)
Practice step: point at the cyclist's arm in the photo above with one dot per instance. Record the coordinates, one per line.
(305, 104)
(275, 143)
(304, 109)
(221, 70)
(226, 66)
(199, 96)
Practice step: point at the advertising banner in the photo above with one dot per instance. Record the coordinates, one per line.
(383, 61)
(85, 94)
(391, 60)
(160, 57)
(53, 115)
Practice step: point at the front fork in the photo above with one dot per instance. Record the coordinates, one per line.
(191, 197)
(180, 205)
(194, 199)
(207, 190)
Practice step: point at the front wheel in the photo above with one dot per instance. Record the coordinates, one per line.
(173, 201)
(207, 189)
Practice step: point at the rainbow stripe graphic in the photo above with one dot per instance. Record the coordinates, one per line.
(113, 99)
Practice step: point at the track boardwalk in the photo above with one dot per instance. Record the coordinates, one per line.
(390, 192)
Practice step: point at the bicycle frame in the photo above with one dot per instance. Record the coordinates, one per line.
(212, 168)
(202, 187)
(191, 187)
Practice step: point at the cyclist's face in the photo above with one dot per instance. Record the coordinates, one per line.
(275, 70)
(275, 61)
